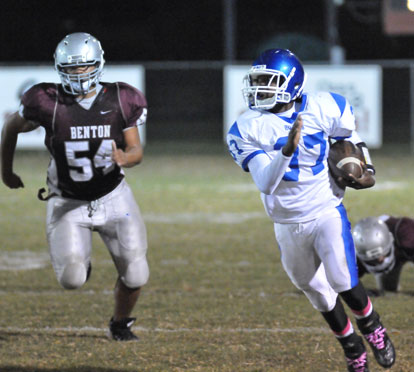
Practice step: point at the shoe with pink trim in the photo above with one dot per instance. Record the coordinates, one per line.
(376, 335)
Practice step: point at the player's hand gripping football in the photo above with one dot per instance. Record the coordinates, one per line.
(118, 155)
(366, 180)
(293, 138)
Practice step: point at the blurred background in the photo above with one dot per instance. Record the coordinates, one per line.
(184, 47)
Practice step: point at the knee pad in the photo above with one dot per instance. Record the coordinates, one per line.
(136, 274)
(74, 275)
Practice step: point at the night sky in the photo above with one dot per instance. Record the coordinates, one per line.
(184, 30)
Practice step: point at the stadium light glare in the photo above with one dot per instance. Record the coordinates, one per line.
(410, 5)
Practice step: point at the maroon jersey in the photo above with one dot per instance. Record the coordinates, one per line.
(80, 140)
(402, 230)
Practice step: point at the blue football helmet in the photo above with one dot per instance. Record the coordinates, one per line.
(277, 76)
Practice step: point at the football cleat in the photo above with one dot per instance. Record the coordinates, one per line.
(355, 353)
(381, 345)
(120, 330)
(359, 364)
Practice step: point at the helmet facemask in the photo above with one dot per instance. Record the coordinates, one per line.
(266, 96)
(81, 83)
(376, 266)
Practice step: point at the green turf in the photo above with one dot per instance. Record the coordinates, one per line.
(218, 298)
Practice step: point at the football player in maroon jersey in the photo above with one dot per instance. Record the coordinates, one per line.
(91, 134)
(384, 244)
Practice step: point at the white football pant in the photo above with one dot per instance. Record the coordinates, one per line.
(117, 219)
(319, 256)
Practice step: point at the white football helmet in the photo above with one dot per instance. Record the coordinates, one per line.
(374, 245)
(79, 49)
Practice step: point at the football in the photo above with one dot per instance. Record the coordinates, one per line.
(345, 158)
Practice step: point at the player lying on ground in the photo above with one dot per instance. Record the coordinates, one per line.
(384, 244)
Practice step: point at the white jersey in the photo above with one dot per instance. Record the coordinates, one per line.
(306, 189)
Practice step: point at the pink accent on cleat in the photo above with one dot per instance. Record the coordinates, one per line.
(359, 364)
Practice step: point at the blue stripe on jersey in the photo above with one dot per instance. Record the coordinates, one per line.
(296, 113)
(235, 130)
(304, 101)
(289, 120)
(340, 101)
(250, 157)
(349, 245)
(340, 138)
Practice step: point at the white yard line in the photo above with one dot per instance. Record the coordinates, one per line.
(27, 260)
(251, 187)
(148, 291)
(88, 330)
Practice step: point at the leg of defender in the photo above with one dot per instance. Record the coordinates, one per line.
(125, 236)
(69, 242)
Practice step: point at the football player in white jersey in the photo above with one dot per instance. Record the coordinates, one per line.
(283, 141)
(91, 134)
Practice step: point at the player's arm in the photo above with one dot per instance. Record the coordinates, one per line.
(134, 111)
(267, 173)
(13, 125)
(342, 115)
(133, 149)
(361, 268)
(390, 281)
(293, 138)
(367, 178)
(361, 272)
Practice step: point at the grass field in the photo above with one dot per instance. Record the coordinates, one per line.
(218, 298)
